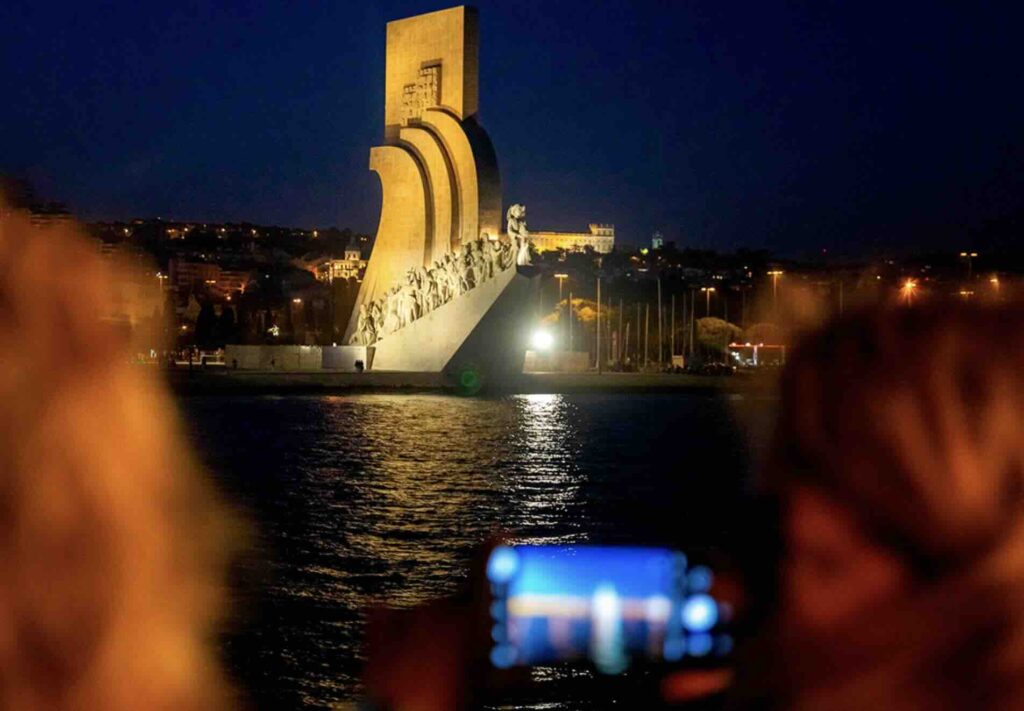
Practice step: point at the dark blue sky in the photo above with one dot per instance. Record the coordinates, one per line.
(790, 126)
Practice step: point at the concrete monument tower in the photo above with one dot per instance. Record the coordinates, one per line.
(442, 285)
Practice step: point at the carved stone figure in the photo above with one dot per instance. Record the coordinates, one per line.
(392, 317)
(407, 297)
(377, 318)
(518, 234)
(507, 257)
(522, 251)
(490, 259)
(432, 300)
(466, 277)
(515, 220)
(455, 273)
(359, 337)
(479, 264)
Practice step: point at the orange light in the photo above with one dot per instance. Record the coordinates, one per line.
(908, 290)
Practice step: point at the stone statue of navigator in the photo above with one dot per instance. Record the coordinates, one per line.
(517, 233)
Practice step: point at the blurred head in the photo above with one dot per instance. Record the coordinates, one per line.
(112, 546)
(899, 463)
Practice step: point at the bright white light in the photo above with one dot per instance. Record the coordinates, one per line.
(700, 613)
(542, 340)
(607, 646)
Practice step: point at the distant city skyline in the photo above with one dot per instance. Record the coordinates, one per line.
(847, 128)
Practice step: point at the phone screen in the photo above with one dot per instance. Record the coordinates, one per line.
(611, 605)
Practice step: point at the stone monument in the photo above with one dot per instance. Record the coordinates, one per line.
(444, 288)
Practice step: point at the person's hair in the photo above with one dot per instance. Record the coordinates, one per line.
(914, 420)
(112, 544)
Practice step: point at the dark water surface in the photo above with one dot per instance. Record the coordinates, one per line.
(372, 498)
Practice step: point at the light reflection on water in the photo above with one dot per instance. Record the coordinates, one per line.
(384, 498)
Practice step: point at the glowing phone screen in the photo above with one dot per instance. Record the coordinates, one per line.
(606, 604)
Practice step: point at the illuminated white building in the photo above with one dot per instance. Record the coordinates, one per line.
(601, 239)
(352, 266)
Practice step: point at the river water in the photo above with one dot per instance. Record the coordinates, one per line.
(383, 498)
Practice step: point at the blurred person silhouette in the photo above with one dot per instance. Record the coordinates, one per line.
(898, 468)
(898, 462)
(113, 547)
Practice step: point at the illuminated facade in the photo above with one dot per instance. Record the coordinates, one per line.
(187, 277)
(351, 267)
(601, 239)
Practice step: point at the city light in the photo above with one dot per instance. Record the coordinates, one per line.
(969, 256)
(296, 300)
(542, 340)
(908, 290)
(775, 274)
(708, 291)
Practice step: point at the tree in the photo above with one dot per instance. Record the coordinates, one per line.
(764, 332)
(225, 328)
(206, 323)
(715, 335)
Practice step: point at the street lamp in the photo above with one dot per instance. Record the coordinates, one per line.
(969, 256)
(542, 340)
(908, 290)
(708, 290)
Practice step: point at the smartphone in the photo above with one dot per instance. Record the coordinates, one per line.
(613, 606)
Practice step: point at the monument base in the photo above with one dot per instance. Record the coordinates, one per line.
(479, 335)
(348, 359)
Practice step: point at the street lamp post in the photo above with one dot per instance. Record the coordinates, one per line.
(775, 274)
(561, 306)
(599, 274)
(708, 290)
(570, 320)
(969, 256)
(599, 324)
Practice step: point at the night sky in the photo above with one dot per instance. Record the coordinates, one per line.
(796, 127)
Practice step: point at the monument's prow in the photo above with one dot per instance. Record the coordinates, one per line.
(439, 238)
